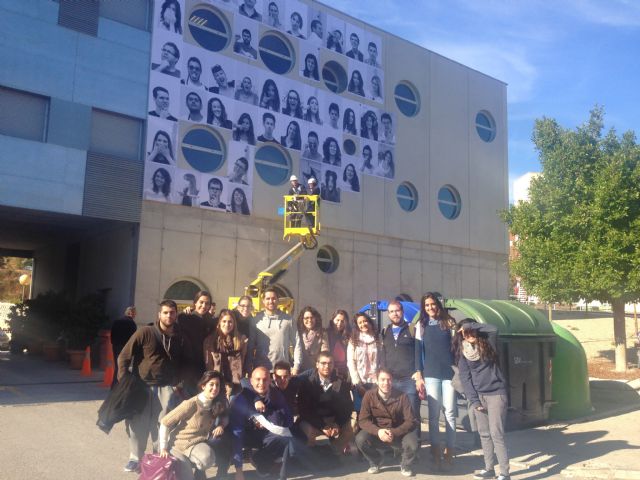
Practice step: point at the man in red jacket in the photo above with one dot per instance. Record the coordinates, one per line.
(387, 421)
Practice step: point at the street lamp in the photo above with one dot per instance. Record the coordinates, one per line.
(24, 280)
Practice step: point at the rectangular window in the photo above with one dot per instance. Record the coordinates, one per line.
(117, 135)
(23, 114)
(79, 15)
(130, 12)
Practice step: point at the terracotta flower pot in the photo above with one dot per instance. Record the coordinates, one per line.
(75, 359)
(52, 352)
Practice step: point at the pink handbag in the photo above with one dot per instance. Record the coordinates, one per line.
(154, 467)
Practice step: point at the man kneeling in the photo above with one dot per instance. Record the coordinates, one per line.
(325, 405)
(386, 421)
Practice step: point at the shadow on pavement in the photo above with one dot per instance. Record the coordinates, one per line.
(26, 379)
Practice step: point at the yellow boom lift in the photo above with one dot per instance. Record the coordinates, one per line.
(302, 224)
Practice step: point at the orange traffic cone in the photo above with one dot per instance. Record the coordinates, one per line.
(108, 371)
(86, 363)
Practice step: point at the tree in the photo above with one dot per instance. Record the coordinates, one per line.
(578, 236)
(10, 270)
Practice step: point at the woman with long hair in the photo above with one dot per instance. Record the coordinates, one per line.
(369, 126)
(270, 97)
(311, 67)
(338, 336)
(239, 202)
(217, 114)
(190, 191)
(349, 122)
(273, 18)
(386, 167)
(331, 152)
(160, 186)
(293, 106)
(196, 323)
(476, 353)
(162, 150)
(170, 16)
(376, 89)
(356, 85)
(292, 139)
(245, 316)
(364, 355)
(334, 41)
(225, 350)
(312, 113)
(313, 338)
(197, 427)
(350, 177)
(367, 155)
(243, 132)
(433, 360)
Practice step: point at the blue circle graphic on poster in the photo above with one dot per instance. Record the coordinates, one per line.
(203, 149)
(209, 29)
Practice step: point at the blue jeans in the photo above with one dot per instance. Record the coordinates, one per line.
(408, 385)
(441, 393)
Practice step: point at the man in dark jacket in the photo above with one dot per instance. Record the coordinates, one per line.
(121, 331)
(399, 346)
(247, 431)
(325, 405)
(387, 421)
(158, 354)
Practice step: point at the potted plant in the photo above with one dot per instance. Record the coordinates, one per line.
(36, 324)
(86, 317)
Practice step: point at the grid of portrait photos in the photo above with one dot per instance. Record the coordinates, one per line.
(209, 113)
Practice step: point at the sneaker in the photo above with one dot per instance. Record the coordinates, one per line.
(132, 466)
(484, 474)
(504, 477)
(373, 469)
(406, 472)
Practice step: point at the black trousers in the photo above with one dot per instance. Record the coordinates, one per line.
(270, 448)
(372, 447)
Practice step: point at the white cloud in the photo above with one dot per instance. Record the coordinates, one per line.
(495, 60)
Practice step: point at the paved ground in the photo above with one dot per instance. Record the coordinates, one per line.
(48, 414)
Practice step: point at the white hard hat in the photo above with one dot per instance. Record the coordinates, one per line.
(292, 178)
(311, 180)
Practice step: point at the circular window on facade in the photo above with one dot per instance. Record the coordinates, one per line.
(184, 291)
(328, 259)
(334, 76)
(349, 146)
(273, 165)
(209, 28)
(407, 99)
(449, 202)
(485, 126)
(407, 196)
(203, 149)
(277, 53)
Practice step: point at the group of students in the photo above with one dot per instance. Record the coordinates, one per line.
(274, 384)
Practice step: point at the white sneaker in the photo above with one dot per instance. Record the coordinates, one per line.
(373, 469)
(406, 472)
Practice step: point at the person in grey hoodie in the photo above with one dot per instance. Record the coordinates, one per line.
(275, 334)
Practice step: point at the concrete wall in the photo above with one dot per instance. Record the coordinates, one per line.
(225, 252)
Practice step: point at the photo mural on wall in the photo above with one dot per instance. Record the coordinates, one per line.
(218, 94)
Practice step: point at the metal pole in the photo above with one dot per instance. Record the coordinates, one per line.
(635, 318)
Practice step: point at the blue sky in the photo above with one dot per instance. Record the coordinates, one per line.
(558, 58)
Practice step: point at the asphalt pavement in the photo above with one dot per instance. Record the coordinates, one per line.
(48, 431)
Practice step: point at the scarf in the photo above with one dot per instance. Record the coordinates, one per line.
(366, 353)
(309, 338)
(470, 351)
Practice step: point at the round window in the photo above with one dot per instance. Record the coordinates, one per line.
(449, 202)
(407, 196)
(328, 259)
(203, 149)
(273, 164)
(209, 28)
(334, 76)
(183, 290)
(349, 146)
(485, 126)
(277, 53)
(407, 99)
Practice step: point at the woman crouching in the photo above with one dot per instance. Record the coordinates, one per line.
(198, 426)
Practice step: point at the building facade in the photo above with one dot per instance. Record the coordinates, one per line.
(119, 173)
